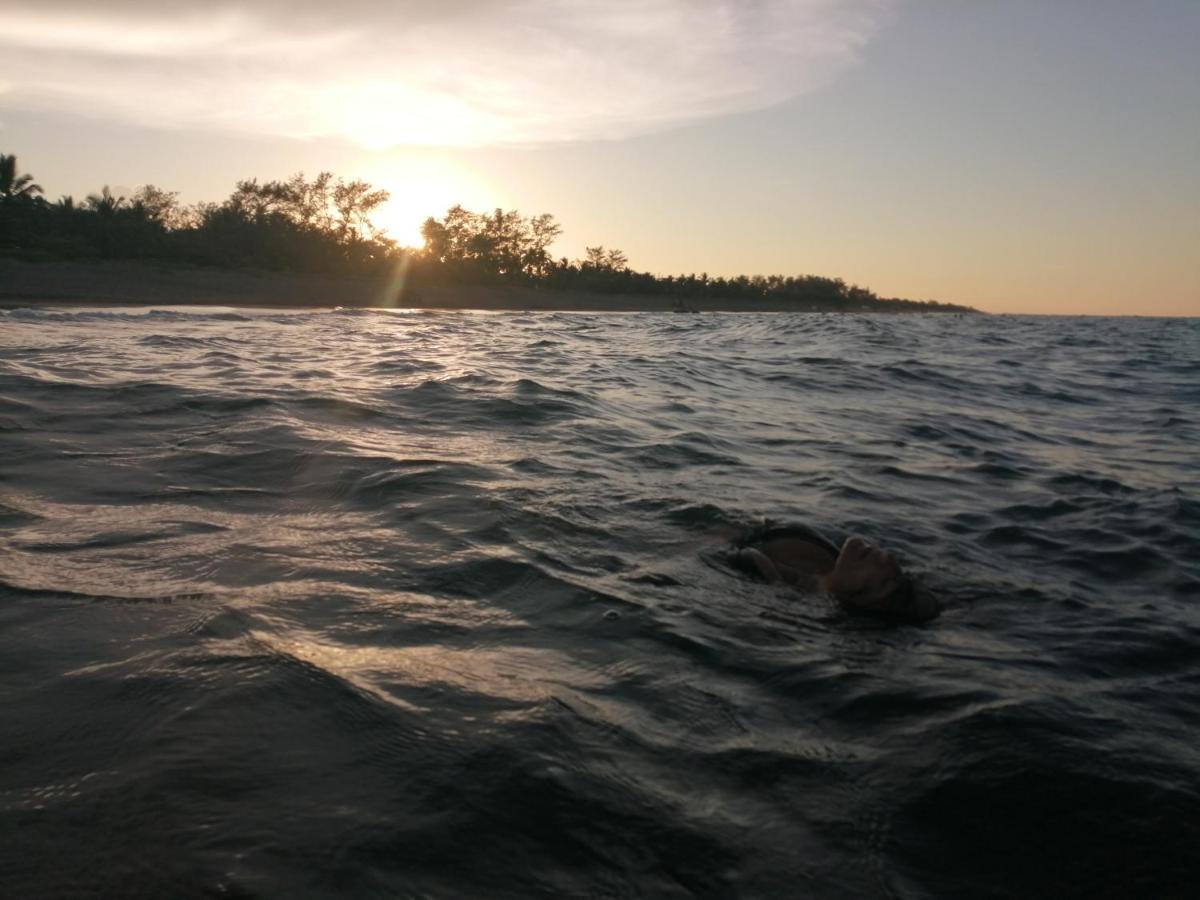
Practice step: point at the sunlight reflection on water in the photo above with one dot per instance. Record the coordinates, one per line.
(406, 598)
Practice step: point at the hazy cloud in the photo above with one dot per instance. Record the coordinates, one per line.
(453, 72)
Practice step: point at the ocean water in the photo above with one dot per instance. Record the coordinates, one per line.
(419, 604)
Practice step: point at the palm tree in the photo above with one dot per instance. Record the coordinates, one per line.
(105, 203)
(13, 187)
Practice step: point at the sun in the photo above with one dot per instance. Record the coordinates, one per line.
(423, 186)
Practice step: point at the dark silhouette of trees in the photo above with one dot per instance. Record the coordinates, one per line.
(104, 204)
(490, 246)
(601, 260)
(325, 204)
(301, 225)
(16, 188)
(158, 206)
(20, 204)
(323, 224)
(354, 202)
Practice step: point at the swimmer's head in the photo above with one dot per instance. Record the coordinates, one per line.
(867, 577)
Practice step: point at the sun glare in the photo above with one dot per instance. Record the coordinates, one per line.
(423, 187)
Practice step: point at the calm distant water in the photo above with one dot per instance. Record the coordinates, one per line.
(416, 605)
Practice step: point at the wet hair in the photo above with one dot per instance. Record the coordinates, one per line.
(769, 531)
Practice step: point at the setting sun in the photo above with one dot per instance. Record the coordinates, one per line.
(420, 187)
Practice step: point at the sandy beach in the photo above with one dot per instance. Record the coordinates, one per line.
(114, 283)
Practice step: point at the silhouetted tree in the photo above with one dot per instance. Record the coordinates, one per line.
(500, 244)
(354, 202)
(157, 205)
(600, 259)
(15, 188)
(104, 203)
(543, 231)
(308, 202)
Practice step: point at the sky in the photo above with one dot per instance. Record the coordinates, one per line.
(1013, 155)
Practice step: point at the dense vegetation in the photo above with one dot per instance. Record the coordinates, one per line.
(323, 225)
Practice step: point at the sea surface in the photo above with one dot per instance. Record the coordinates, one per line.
(419, 604)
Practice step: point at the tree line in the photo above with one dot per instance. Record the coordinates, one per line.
(323, 225)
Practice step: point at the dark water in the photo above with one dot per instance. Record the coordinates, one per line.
(414, 605)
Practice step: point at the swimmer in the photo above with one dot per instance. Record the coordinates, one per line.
(860, 576)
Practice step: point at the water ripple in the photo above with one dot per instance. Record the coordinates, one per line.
(424, 604)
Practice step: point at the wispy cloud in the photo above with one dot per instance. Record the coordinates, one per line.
(458, 72)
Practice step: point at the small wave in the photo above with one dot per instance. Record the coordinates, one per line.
(1040, 512)
(1016, 535)
(179, 341)
(415, 478)
(16, 591)
(1080, 481)
(913, 371)
(335, 409)
(458, 403)
(913, 475)
(1030, 389)
(685, 450)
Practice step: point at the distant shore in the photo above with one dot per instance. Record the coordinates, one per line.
(131, 283)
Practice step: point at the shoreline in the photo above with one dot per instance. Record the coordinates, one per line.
(132, 283)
